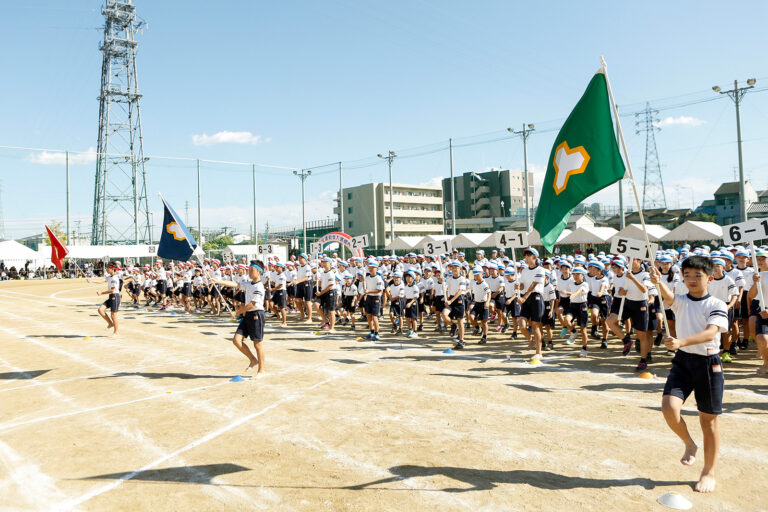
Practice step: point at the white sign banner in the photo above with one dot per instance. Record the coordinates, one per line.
(632, 248)
(315, 248)
(743, 232)
(265, 249)
(437, 247)
(511, 239)
(359, 242)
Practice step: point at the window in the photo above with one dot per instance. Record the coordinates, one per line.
(350, 224)
(349, 210)
(349, 195)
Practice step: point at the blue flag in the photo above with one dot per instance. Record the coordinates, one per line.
(176, 242)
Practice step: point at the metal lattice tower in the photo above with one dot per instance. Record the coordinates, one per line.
(120, 207)
(653, 186)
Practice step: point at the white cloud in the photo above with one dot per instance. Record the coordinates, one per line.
(683, 120)
(228, 137)
(437, 181)
(60, 158)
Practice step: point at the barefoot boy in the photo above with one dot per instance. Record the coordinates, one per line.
(113, 302)
(696, 367)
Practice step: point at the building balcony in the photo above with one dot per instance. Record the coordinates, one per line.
(415, 214)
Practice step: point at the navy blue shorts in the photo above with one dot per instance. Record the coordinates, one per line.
(564, 303)
(457, 309)
(533, 308)
(413, 310)
(373, 305)
(278, 298)
(396, 306)
(252, 325)
(549, 317)
(579, 311)
(438, 302)
(761, 326)
(637, 310)
(600, 303)
(480, 312)
(500, 302)
(113, 302)
(702, 375)
(304, 291)
(349, 303)
(744, 306)
(670, 315)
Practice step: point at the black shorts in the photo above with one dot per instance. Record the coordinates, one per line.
(438, 302)
(113, 302)
(328, 301)
(457, 309)
(373, 305)
(304, 290)
(564, 303)
(291, 288)
(600, 303)
(754, 307)
(187, 289)
(744, 307)
(427, 299)
(637, 310)
(533, 308)
(549, 317)
(701, 374)
(761, 326)
(479, 312)
(267, 294)
(278, 298)
(349, 303)
(513, 307)
(252, 325)
(161, 287)
(413, 310)
(579, 311)
(500, 302)
(396, 306)
(670, 315)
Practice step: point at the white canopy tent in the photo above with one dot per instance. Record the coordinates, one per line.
(14, 254)
(535, 239)
(635, 231)
(589, 235)
(469, 240)
(404, 243)
(693, 230)
(98, 252)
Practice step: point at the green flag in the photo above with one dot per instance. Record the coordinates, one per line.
(585, 159)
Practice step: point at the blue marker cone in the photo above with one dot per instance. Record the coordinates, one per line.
(507, 360)
(173, 313)
(448, 351)
(236, 378)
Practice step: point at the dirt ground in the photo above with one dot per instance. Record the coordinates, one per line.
(152, 421)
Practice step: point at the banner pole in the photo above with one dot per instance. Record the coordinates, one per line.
(757, 270)
(651, 256)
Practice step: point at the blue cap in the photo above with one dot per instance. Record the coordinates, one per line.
(327, 260)
(597, 265)
(373, 263)
(477, 270)
(454, 263)
(397, 274)
(493, 266)
(510, 271)
(579, 270)
(343, 263)
(665, 258)
(346, 275)
(619, 263)
(548, 273)
(566, 263)
(718, 261)
(257, 267)
(727, 255)
(532, 251)
(742, 252)
(304, 255)
(411, 273)
(461, 254)
(280, 264)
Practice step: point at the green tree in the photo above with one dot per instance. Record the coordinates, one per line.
(58, 230)
(218, 243)
(703, 217)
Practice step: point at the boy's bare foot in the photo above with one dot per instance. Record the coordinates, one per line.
(762, 370)
(261, 375)
(706, 482)
(689, 457)
(110, 326)
(114, 335)
(253, 364)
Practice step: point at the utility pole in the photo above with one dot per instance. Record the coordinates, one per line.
(390, 156)
(303, 175)
(736, 94)
(453, 190)
(524, 133)
(341, 207)
(199, 213)
(67, 165)
(255, 229)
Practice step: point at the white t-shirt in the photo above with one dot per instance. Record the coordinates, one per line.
(747, 273)
(595, 283)
(528, 276)
(510, 288)
(254, 292)
(693, 315)
(582, 297)
(480, 291)
(113, 283)
(453, 285)
(374, 284)
(411, 292)
(396, 290)
(723, 289)
(549, 293)
(438, 288)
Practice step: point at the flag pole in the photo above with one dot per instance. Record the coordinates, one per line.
(652, 256)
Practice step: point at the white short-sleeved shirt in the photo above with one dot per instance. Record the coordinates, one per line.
(747, 273)
(633, 292)
(723, 289)
(397, 290)
(303, 271)
(595, 283)
(113, 283)
(438, 288)
(453, 285)
(693, 315)
(565, 285)
(529, 276)
(254, 292)
(480, 291)
(374, 284)
(280, 280)
(582, 297)
(495, 283)
(510, 288)
(326, 279)
(549, 293)
(350, 291)
(411, 292)
(737, 276)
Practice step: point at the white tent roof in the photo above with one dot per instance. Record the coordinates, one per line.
(692, 230)
(635, 231)
(466, 240)
(535, 239)
(404, 243)
(97, 252)
(15, 254)
(589, 235)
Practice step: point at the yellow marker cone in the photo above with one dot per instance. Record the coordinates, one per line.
(87, 338)
(535, 362)
(358, 339)
(645, 375)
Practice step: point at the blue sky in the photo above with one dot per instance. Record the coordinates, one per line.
(319, 82)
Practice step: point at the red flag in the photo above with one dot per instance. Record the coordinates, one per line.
(58, 250)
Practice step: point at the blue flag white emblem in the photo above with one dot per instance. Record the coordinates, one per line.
(176, 242)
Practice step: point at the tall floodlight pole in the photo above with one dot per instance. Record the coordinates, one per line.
(69, 240)
(453, 190)
(390, 156)
(303, 175)
(341, 206)
(120, 188)
(736, 94)
(255, 229)
(524, 133)
(199, 215)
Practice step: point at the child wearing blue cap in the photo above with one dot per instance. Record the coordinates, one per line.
(395, 293)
